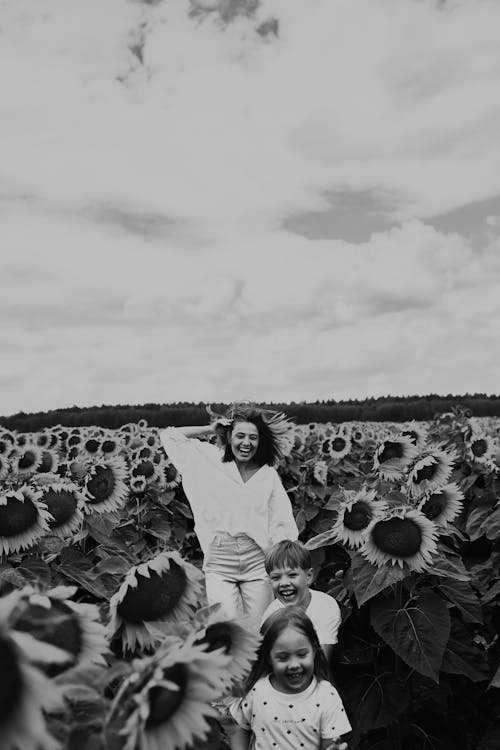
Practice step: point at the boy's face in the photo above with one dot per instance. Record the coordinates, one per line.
(291, 585)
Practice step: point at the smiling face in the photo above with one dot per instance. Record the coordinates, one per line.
(244, 441)
(292, 661)
(291, 585)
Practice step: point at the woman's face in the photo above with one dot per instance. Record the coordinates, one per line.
(244, 441)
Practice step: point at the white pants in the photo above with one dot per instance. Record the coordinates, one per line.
(236, 578)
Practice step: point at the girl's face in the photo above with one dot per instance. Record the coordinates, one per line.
(244, 441)
(292, 661)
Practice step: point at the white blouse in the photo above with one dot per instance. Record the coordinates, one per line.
(221, 501)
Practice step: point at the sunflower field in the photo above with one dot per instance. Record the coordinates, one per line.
(105, 639)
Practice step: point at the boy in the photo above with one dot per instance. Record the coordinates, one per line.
(288, 565)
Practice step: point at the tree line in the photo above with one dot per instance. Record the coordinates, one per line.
(381, 409)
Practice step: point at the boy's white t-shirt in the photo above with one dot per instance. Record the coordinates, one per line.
(323, 611)
(290, 721)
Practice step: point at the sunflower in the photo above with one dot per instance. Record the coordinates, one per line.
(25, 692)
(105, 486)
(144, 468)
(357, 513)
(430, 471)
(92, 445)
(444, 505)
(405, 536)
(27, 460)
(320, 472)
(172, 476)
(173, 706)
(480, 448)
(7, 440)
(138, 485)
(341, 445)
(23, 519)
(49, 461)
(393, 455)
(66, 504)
(110, 446)
(4, 466)
(51, 617)
(153, 599)
(417, 434)
(232, 639)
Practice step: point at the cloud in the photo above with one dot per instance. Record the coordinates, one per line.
(163, 175)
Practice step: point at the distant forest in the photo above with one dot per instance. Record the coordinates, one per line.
(384, 408)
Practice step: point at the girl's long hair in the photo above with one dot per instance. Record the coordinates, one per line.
(272, 627)
(274, 428)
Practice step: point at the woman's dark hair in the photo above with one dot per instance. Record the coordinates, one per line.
(267, 451)
(272, 627)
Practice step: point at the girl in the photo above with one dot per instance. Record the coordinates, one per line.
(240, 508)
(288, 701)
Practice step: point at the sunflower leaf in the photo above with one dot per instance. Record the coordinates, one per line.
(463, 657)
(477, 522)
(376, 701)
(369, 580)
(417, 632)
(463, 596)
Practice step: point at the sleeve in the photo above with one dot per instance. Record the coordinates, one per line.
(184, 452)
(334, 721)
(328, 620)
(281, 521)
(241, 711)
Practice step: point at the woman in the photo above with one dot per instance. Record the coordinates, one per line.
(240, 508)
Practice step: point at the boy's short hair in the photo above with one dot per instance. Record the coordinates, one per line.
(288, 553)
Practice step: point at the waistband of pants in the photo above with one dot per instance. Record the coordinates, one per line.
(222, 536)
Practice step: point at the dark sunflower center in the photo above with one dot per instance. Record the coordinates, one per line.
(390, 450)
(58, 626)
(170, 473)
(358, 517)
(92, 445)
(412, 435)
(154, 598)
(11, 684)
(218, 635)
(61, 504)
(434, 506)
(325, 448)
(17, 517)
(399, 537)
(101, 485)
(479, 447)
(144, 469)
(145, 452)
(27, 460)
(74, 440)
(108, 446)
(164, 702)
(338, 444)
(425, 473)
(47, 463)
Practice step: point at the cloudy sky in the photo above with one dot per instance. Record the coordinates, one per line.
(215, 199)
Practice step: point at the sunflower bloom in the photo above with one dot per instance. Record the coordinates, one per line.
(49, 461)
(403, 537)
(105, 486)
(138, 485)
(66, 504)
(417, 434)
(393, 455)
(23, 519)
(4, 466)
(320, 472)
(172, 476)
(444, 505)
(340, 445)
(28, 459)
(232, 639)
(429, 472)
(154, 598)
(172, 708)
(51, 617)
(481, 448)
(356, 515)
(26, 692)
